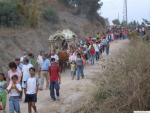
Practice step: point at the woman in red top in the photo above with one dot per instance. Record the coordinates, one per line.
(92, 54)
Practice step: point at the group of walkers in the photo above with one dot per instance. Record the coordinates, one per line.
(141, 30)
(26, 74)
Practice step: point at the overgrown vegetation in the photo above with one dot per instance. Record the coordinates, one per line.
(33, 14)
(127, 84)
(10, 14)
(87, 7)
(65, 2)
(50, 15)
(116, 22)
(24, 12)
(90, 8)
(14, 13)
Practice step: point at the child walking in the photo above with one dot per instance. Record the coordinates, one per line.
(3, 95)
(73, 69)
(31, 91)
(14, 95)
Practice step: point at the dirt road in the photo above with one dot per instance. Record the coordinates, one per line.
(74, 93)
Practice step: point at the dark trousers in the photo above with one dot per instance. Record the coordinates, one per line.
(97, 56)
(107, 50)
(54, 89)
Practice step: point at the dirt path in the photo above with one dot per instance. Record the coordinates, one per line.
(73, 93)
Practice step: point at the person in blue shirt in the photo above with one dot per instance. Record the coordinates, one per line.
(44, 72)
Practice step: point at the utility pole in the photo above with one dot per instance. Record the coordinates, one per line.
(125, 12)
(118, 16)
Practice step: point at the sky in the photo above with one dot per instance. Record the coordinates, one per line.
(137, 9)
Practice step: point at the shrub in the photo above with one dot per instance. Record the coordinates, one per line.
(65, 2)
(147, 36)
(50, 15)
(33, 14)
(9, 14)
(13, 13)
(126, 85)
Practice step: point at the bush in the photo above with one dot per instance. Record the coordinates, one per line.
(65, 2)
(50, 15)
(33, 15)
(147, 37)
(126, 87)
(14, 13)
(9, 14)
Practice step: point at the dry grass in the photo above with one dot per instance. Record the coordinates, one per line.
(127, 84)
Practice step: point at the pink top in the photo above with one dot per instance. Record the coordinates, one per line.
(10, 74)
(17, 72)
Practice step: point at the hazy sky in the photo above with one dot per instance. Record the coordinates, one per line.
(137, 9)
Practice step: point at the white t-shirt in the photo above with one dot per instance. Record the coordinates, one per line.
(112, 36)
(143, 29)
(22, 58)
(40, 59)
(13, 92)
(96, 48)
(56, 57)
(72, 57)
(25, 71)
(32, 85)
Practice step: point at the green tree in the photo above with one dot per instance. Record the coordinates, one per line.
(116, 22)
(10, 15)
(50, 15)
(87, 7)
(133, 24)
(145, 21)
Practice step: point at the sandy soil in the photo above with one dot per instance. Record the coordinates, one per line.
(74, 93)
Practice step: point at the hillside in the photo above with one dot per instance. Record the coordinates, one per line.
(13, 41)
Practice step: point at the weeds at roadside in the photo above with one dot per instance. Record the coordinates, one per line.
(127, 84)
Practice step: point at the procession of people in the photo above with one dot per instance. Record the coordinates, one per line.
(28, 74)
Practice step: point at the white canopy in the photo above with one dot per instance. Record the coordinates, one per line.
(66, 34)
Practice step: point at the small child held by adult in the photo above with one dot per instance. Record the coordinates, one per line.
(14, 95)
(31, 91)
(3, 95)
(73, 69)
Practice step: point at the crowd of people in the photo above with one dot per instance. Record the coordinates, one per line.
(27, 74)
(141, 30)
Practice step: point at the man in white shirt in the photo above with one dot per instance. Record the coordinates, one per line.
(25, 70)
(40, 58)
(24, 56)
(44, 72)
(55, 56)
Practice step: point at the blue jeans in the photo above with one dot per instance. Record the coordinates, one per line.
(92, 59)
(14, 105)
(80, 71)
(54, 87)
